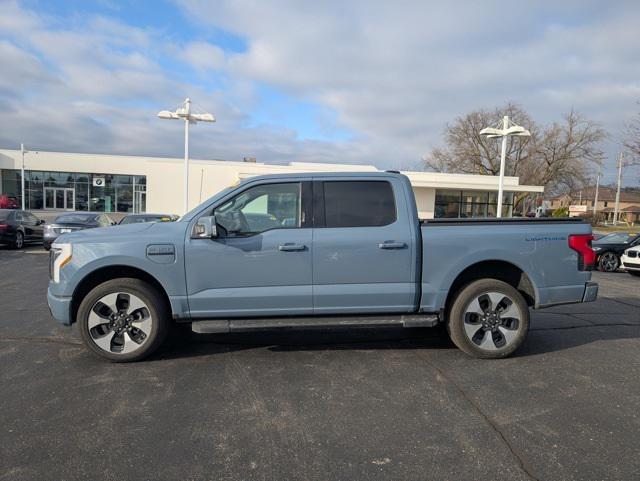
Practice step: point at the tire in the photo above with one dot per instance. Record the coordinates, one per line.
(477, 323)
(47, 247)
(114, 329)
(18, 243)
(608, 262)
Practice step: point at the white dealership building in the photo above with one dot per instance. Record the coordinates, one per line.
(59, 181)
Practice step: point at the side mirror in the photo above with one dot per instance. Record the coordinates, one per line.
(41, 221)
(205, 228)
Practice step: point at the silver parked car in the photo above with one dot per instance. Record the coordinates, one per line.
(73, 221)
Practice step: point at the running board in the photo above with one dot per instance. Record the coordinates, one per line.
(239, 325)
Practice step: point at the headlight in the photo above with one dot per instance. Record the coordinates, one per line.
(59, 256)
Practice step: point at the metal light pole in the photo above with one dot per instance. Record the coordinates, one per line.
(185, 114)
(22, 151)
(508, 129)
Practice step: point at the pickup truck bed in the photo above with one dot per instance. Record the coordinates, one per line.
(537, 247)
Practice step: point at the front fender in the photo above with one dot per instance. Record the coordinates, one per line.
(87, 259)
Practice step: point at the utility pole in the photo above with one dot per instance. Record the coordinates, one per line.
(595, 200)
(617, 208)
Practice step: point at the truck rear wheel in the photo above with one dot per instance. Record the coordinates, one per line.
(123, 320)
(488, 319)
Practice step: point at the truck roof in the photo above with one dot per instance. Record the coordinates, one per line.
(311, 175)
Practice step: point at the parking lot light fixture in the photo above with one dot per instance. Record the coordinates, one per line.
(509, 129)
(189, 117)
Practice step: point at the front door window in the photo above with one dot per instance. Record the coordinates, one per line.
(261, 208)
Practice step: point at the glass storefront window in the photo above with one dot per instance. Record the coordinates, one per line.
(76, 190)
(82, 196)
(35, 199)
(123, 179)
(124, 198)
(471, 204)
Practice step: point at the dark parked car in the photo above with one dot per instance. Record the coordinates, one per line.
(18, 227)
(74, 221)
(610, 247)
(140, 218)
(8, 202)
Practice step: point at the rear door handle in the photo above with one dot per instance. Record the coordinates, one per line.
(290, 247)
(392, 245)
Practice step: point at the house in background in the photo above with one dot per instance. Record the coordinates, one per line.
(629, 203)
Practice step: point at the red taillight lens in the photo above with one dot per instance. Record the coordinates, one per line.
(581, 243)
(3, 226)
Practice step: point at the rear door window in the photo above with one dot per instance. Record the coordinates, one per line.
(358, 204)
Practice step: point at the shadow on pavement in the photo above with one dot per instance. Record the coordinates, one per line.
(185, 344)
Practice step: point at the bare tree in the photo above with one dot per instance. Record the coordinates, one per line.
(632, 141)
(561, 156)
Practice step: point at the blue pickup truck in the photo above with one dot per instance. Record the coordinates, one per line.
(318, 249)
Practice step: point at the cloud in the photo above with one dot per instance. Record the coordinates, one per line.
(391, 74)
(203, 56)
(397, 71)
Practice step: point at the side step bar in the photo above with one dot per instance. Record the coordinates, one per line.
(240, 325)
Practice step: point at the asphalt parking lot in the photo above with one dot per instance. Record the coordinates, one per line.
(321, 405)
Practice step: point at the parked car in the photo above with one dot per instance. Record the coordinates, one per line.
(345, 249)
(631, 260)
(8, 202)
(73, 221)
(19, 227)
(141, 218)
(610, 247)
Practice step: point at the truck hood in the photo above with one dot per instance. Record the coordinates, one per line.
(106, 234)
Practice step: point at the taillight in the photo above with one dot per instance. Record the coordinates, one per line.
(3, 226)
(581, 243)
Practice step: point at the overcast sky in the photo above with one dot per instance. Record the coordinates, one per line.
(324, 81)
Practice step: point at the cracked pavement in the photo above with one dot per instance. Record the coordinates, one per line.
(321, 405)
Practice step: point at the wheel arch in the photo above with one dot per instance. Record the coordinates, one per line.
(107, 273)
(494, 269)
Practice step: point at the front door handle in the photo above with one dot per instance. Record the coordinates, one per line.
(392, 245)
(291, 247)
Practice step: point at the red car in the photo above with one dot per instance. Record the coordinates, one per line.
(8, 202)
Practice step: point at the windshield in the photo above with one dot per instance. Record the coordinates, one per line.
(617, 238)
(79, 218)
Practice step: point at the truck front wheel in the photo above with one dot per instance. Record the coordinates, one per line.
(123, 320)
(488, 319)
